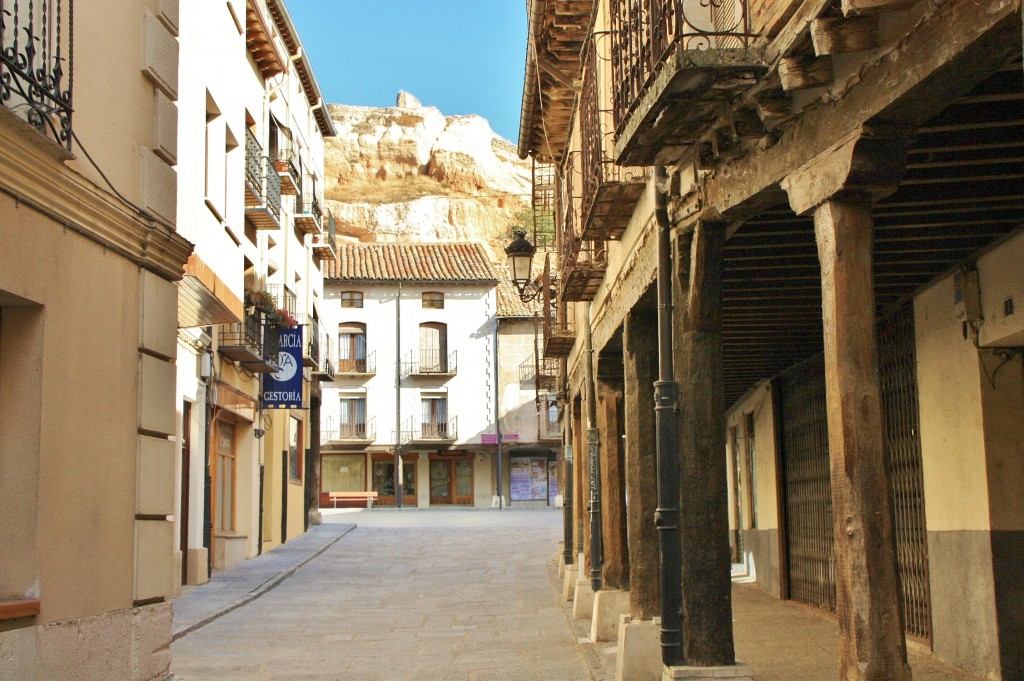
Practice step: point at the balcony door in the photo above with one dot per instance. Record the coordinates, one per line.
(451, 482)
(434, 418)
(352, 348)
(433, 348)
(352, 418)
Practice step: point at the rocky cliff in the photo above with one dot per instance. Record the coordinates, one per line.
(410, 173)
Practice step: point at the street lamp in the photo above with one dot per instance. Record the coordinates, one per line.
(520, 261)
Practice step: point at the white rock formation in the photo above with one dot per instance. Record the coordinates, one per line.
(409, 173)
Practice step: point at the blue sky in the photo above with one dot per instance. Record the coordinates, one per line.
(462, 56)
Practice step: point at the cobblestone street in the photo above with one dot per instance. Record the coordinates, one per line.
(425, 595)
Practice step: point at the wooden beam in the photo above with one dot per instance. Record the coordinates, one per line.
(615, 570)
(833, 35)
(10, 610)
(804, 72)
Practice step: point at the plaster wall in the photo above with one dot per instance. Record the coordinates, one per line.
(517, 403)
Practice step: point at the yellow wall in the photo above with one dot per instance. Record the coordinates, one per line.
(757, 401)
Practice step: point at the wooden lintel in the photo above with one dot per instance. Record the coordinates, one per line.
(801, 73)
(10, 610)
(832, 35)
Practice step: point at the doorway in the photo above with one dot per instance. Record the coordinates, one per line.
(451, 482)
(384, 481)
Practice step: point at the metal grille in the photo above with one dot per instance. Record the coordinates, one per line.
(543, 205)
(903, 463)
(808, 500)
(809, 531)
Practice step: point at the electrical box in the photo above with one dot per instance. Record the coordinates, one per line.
(967, 295)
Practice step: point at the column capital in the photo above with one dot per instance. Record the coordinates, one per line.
(868, 163)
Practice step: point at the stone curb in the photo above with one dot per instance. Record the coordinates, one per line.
(263, 588)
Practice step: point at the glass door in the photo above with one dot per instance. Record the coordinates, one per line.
(440, 483)
(463, 483)
(384, 482)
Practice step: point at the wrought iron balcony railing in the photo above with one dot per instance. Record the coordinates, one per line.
(323, 244)
(311, 341)
(263, 187)
(440, 430)
(288, 171)
(334, 429)
(429, 362)
(36, 64)
(643, 31)
(286, 298)
(254, 343)
(355, 366)
(544, 201)
(324, 370)
(610, 191)
(308, 213)
(559, 332)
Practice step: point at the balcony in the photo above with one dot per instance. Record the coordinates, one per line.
(542, 371)
(433, 363)
(364, 431)
(610, 191)
(308, 215)
(323, 244)
(254, 343)
(324, 370)
(311, 341)
(35, 57)
(287, 171)
(559, 333)
(285, 297)
(582, 263)
(439, 431)
(262, 187)
(356, 366)
(676, 66)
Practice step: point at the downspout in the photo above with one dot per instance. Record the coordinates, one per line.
(399, 473)
(666, 518)
(497, 413)
(593, 457)
(568, 551)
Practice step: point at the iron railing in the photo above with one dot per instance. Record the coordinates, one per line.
(36, 69)
(598, 134)
(644, 31)
(253, 162)
(272, 189)
(271, 343)
(527, 369)
(430, 361)
(286, 298)
(285, 163)
(335, 429)
(357, 365)
(440, 430)
(543, 205)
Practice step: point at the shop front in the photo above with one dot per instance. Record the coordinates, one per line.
(533, 477)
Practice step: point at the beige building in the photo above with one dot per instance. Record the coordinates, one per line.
(251, 123)
(842, 239)
(89, 258)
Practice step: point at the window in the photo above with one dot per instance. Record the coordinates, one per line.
(294, 449)
(433, 300)
(225, 477)
(435, 417)
(352, 420)
(343, 473)
(433, 348)
(352, 348)
(351, 299)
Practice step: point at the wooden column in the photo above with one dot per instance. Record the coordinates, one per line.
(704, 515)
(839, 188)
(640, 358)
(581, 491)
(872, 646)
(615, 572)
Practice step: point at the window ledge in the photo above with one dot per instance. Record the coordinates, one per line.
(12, 610)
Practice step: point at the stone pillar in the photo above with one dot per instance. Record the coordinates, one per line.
(581, 490)
(839, 188)
(640, 359)
(704, 516)
(615, 572)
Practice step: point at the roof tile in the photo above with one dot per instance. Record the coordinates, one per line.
(456, 263)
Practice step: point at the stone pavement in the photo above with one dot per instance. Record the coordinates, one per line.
(413, 594)
(231, 589)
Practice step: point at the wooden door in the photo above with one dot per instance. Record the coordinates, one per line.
(384, 482)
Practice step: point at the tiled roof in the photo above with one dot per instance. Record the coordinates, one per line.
(509, 304)
(454, 263)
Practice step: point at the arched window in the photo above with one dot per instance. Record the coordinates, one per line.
(433, 348)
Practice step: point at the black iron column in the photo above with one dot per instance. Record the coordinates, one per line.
(593, 458)
(666, 518)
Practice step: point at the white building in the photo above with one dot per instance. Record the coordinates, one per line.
(250, 123)
(413, 335)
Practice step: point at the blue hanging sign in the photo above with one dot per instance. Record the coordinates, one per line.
(283, 388)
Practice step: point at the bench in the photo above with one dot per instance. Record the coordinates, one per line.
(368, 497)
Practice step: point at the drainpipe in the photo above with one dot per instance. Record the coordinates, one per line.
(497, 414)
(208, 478)
(399, 474)
(666, 518)
(568, 552)
(593, 453)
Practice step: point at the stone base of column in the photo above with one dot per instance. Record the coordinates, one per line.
(560, 560)
(609, 606)
(735, 672)
(583, 600)
(569, 580)
(639, 654)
